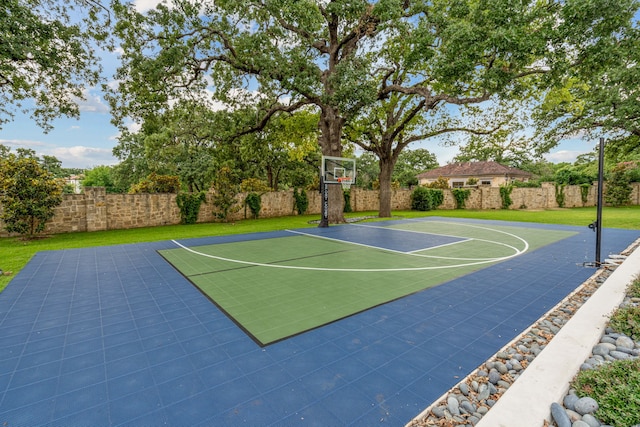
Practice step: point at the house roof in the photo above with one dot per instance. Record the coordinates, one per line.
(473, 169)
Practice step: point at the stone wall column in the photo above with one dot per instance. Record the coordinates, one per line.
(96, 208)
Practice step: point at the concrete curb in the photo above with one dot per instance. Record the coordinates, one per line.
(546, 379)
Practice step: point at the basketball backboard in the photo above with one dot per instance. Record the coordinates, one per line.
(334, 169)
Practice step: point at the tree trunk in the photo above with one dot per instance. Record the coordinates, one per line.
(270, 177)
(330, 141)
(386, 169)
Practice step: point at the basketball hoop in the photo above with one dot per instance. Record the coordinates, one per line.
(345, 181)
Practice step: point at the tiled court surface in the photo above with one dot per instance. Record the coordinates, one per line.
(115, 336)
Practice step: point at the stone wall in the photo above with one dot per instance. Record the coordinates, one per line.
(95, 210)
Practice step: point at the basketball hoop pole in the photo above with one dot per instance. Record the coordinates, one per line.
(596, 225)
(324, 208)
(334, 170)
(599, 209)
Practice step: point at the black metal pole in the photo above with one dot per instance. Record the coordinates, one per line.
(599, 208)
(324, 208)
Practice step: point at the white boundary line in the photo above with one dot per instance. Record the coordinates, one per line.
(526, 244)
(413, 253)
(517, 251)
(344, 241)
(362, 270)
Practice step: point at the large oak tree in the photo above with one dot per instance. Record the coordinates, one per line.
(343, 58)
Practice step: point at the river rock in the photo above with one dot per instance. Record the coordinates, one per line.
(625, 342)
(608, 339)
(591, 420)
(438, 411)
(559, 415)
(494, 376)
(453, 405)
(601, 349)
(464, 389)
(619, 355)
(570, 401)
(516, 365)
(468, 407)
(501, 367)
(586, 405)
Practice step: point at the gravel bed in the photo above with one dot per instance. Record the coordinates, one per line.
(467, 402)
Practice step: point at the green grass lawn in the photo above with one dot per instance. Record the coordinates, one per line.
(15, 253)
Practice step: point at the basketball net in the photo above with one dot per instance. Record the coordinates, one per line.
(345, 181)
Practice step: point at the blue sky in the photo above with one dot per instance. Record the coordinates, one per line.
(79, 143)
(88, 142)
(83, 143)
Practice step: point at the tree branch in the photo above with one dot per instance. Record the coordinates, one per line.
(320, 45)
(367, 26)
(278, 108)
(450, 130)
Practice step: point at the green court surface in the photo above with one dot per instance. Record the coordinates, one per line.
(282, 286)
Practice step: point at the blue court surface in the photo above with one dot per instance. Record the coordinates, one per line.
(115, 336)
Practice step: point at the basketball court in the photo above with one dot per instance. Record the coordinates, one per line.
(347, 325)
(302, 279)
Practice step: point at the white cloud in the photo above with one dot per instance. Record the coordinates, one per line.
(134, 127)
(83, 157)
(561, 156)
(92, 103)
(71, 157)
(21, 143)
(145, 5)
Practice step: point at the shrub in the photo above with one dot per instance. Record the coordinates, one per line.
(189, 205)
(526, 184)
(584, 193)
(347, 201)
(618, 190)
(254, 202)
(101, 176)
(426, 199)
(254, 185)
(472, 181)
(633, 171)
(460, 195)
(505, 195)
(634, 288)
(28, 195)
(224, 194)
(301, 201)
(560, 196)
(441, 182)
(568, 175)
(627, 321)
(155, 183)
